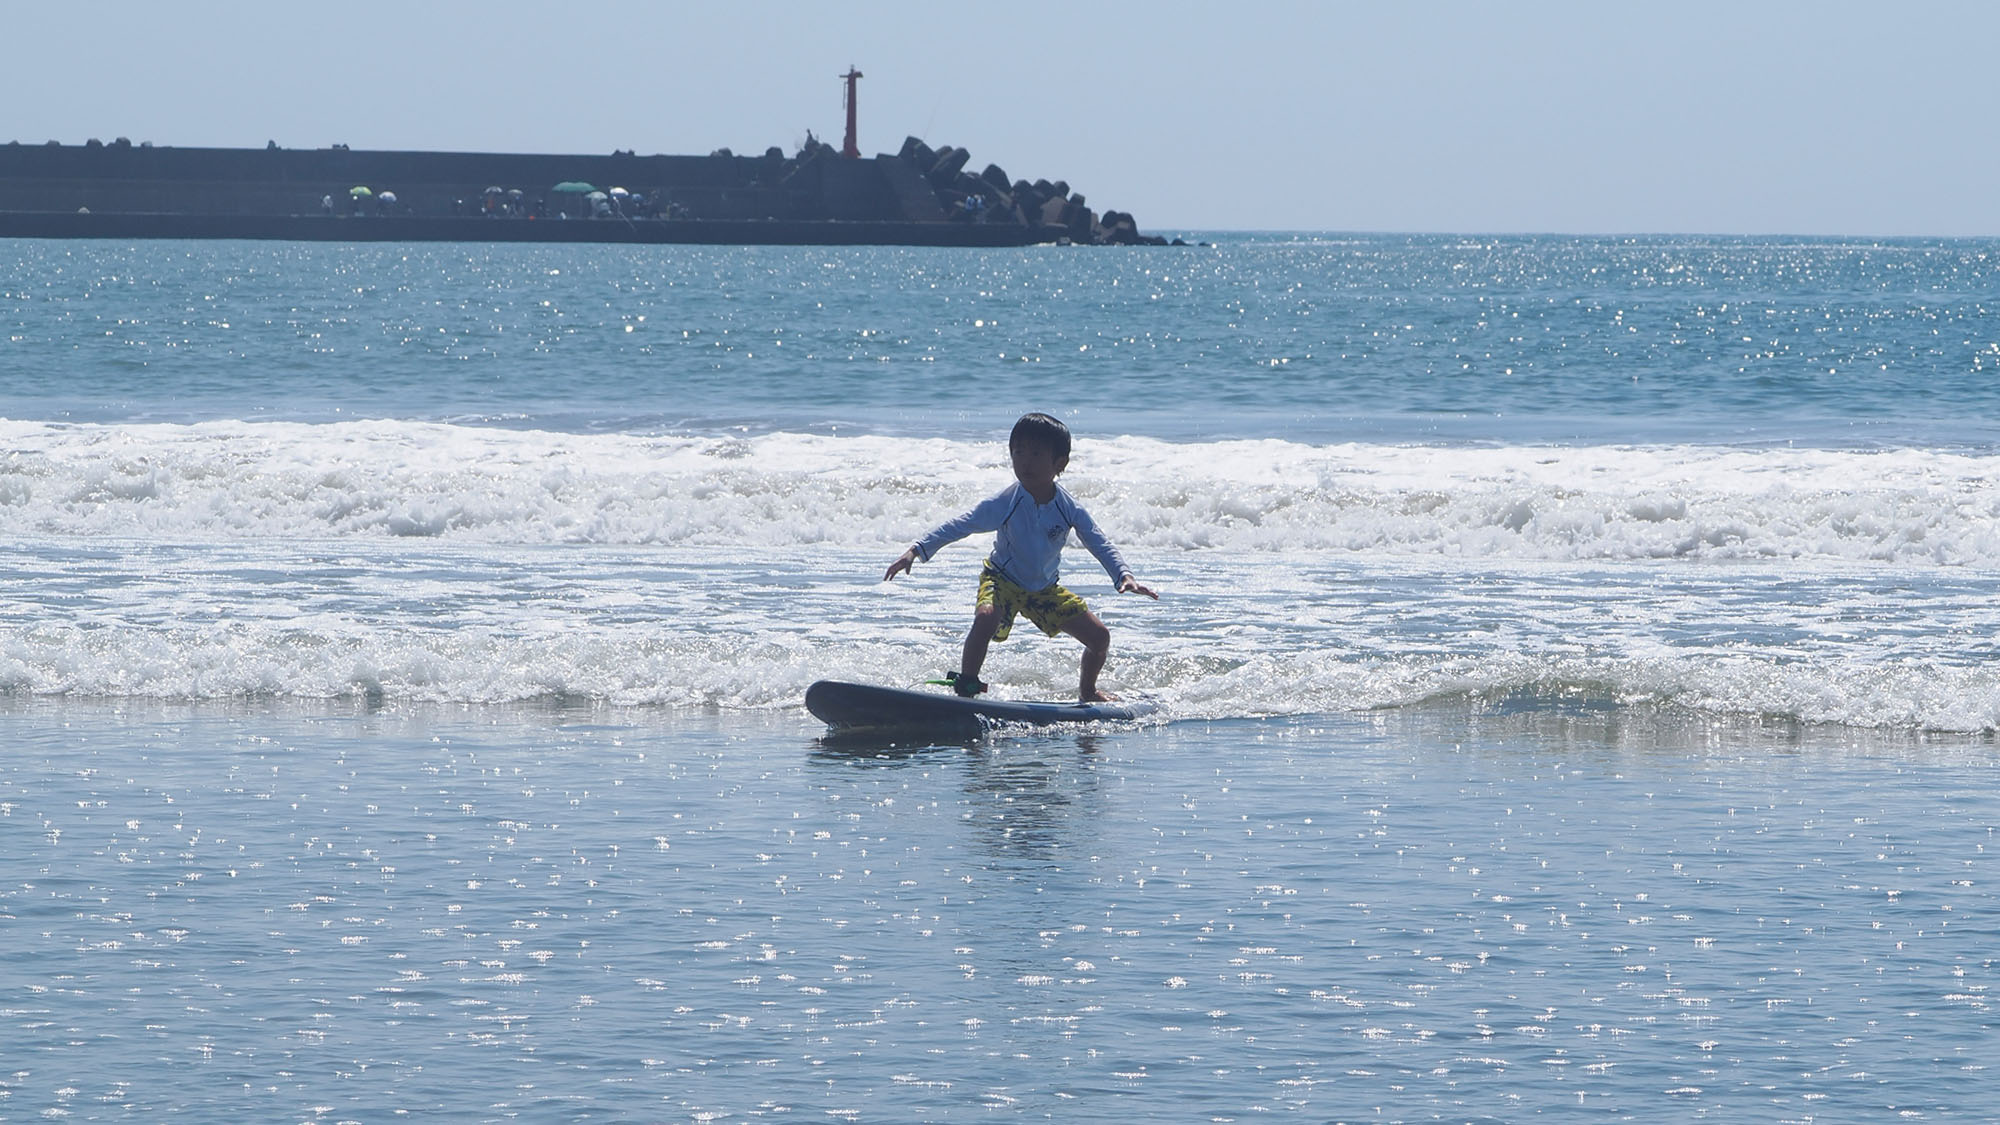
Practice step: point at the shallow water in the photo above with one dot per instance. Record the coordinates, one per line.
(1487, 914)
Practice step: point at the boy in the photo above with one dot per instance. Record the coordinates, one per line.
(1033, 517)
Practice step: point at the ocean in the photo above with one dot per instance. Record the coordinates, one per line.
(1574, 664)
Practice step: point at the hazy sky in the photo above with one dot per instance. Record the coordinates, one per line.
(1744, 117)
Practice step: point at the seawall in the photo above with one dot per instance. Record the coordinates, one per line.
(814, 197)
(316, 228)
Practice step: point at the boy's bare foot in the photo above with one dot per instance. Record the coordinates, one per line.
(1100, 697)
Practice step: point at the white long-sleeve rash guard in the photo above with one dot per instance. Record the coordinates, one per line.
(1028, 548)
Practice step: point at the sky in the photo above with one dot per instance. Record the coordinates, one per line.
(1539, 116)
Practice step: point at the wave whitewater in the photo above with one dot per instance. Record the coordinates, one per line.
(648, 668)
(236, 480)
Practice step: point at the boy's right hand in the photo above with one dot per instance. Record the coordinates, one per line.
(1131, 586)
(901, 565)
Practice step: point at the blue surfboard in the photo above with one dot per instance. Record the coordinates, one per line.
(844, 706)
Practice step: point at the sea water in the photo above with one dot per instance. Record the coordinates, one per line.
(1574, 660)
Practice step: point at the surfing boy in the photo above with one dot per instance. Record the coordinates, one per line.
(1033, 518)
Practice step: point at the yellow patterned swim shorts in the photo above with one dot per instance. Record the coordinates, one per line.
(1050, 607)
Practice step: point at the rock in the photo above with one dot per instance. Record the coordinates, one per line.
(1080, 223)
(950, 162)
(997, 177)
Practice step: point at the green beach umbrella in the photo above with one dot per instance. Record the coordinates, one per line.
(359, 191)
(574, 185)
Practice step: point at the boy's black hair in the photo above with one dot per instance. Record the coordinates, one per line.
(1044, 430)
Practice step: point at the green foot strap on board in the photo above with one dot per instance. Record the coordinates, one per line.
(967, 687)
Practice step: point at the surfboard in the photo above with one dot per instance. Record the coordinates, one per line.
(845, 706)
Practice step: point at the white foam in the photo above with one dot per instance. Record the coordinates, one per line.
(431, 562)
(689, 665)
(235, 480)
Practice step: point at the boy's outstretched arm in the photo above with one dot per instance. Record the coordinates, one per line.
(902, 565)
(1129, 586)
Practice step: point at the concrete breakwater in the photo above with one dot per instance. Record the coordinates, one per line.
(990, 197)
(918, 196)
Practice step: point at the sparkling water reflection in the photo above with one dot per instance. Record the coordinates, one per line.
(1480, 912)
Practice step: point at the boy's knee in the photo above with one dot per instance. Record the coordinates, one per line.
(1092, 633)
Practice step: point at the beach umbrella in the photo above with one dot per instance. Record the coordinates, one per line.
(596, 195)
(574, 185)
(496, 191)
(620, 191)
(387, 197)
(359, 190)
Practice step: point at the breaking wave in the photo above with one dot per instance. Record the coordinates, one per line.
(236, 480)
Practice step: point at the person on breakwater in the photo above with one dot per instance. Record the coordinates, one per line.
(1033, 518)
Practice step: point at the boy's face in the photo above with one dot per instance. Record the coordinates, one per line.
(1036, 466)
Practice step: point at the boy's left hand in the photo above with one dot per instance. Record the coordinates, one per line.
(1131, 586)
